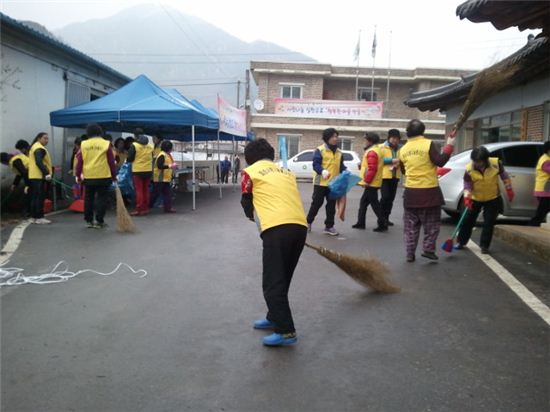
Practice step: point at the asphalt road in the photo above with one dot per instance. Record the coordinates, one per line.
(180, 339)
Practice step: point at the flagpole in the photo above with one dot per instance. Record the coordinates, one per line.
(389, 71)
(373, 60)
(357, 52)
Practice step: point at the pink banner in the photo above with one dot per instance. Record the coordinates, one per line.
(232, 120)
(329, 109)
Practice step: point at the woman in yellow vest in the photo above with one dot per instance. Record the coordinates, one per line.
(422, 197)
(157, 141)
(120, 152)
(163, 169)
(40, 171)
(96, 169)
(19, 164)
(481, 191)
(140, 155)
(542, 186)
(391, 175)
(328, 163)
(372, 168)
(270, 196)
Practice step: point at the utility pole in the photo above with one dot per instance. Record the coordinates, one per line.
(238, 93)
(247, 99)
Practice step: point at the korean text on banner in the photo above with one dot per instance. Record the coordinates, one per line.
(232, 120)
(329, 109)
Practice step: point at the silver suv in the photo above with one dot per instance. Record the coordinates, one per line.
(519, 160)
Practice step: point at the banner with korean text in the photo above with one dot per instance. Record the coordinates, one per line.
(329, 109)
(232, 120)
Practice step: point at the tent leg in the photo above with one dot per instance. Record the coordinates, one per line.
(219, 161)
(54, 191)
(193, 148)
(232, 164)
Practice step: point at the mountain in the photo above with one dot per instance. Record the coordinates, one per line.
(174, 50)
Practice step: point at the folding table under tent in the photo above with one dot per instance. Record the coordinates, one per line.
(140, 103)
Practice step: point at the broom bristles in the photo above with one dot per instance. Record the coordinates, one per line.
(369, 272)
(124, 222)
(448, 245)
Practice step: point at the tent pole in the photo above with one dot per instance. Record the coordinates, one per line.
(193, 148)
(219, 161)
(232, 165)
(53, 174)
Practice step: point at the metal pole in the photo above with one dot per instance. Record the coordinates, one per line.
(238, 93)
(388, 82)
(233, 166)
(357, 68)
(54, 191)
(373, 60)
(193, 148)
(218, 166)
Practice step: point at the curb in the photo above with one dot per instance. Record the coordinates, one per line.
(533, 240)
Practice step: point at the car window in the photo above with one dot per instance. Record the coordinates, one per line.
(497, 153)
(347, 157)
(305, 157)
(520, 156)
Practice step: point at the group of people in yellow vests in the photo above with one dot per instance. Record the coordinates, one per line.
(270, 197)
(95, 167)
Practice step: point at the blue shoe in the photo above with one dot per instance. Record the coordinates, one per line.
(277, 339)
(263, 324)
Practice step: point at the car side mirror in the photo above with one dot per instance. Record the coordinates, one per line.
(295, 160)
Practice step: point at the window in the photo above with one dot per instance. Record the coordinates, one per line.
(292, 144)
(364, 93)
(520, 156)
(291, 92)
(499, 128)
(305, 157)
(347, 157)
(344, 143)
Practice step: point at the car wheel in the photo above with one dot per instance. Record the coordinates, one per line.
(455, 215)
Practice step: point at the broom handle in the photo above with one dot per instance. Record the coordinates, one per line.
(457, 228)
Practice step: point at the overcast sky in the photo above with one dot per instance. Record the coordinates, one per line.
(425, 33)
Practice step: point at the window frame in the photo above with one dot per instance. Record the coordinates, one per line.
(291, 135)
(299, 86)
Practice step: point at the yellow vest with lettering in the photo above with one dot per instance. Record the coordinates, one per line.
(275, 195)
(144, 158)
(377, 181)
(420, 172)
(24, 159)
(542, 179)
(34, 170)
(331, 162)
(94, 158)
(163, 175)
(485, 185)
(388, 171)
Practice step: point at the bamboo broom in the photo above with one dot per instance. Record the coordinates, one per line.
(369, 272)
(124, 223)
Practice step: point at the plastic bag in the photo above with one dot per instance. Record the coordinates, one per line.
(124, 177)
(342, 184)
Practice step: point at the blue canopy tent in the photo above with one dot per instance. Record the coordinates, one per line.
(140, 103)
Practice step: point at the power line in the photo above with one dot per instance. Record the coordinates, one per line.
(173, 62)
(196, 84)
(192, 54)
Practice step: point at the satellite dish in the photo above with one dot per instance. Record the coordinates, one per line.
(258, 105)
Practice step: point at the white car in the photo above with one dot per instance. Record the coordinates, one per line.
(302, 163)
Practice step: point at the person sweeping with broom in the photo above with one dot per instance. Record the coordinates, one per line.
(96, 168)
(270, 197)
(481, 191)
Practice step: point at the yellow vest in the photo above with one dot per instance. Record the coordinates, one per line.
(541, 177)
(23, 157)
(377, 181)
(94, 158)
(34, 170)
(144, 158)
(485, 185)
(156, 151)
(331, 162)
(420, 172)
(388, 172)
(163, 175)
(275, 195)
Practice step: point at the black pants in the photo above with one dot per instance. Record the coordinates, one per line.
(542, 211)
(225, 176)
(91, 206)
(387, 192)
(490, 214)
(37, 194)
(320, 193)
(283, 246)
(370, 197)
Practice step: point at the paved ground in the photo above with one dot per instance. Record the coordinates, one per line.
(455, 339)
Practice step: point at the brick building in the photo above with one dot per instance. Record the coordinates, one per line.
(519, 111)
(323, 88)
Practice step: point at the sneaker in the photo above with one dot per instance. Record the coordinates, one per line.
(390, 223)
(380, 229)
(135, 213)
(358, 226)
(330, 231)
(458, 246)
(277, 339)
(101, 225)
(263, 324)
(90, 225)
(411, 258)
(42, 221)
(430, 255)
(32, 221)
